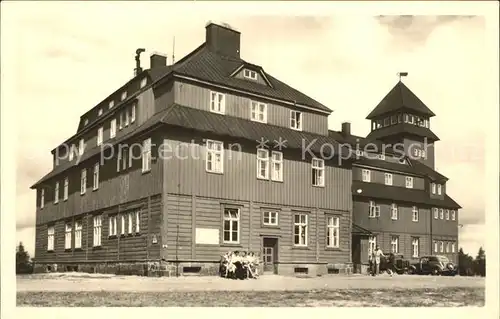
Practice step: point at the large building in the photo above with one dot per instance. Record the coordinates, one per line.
(188, 161)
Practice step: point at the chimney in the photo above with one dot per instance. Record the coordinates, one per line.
(157, 60)
(222, 39)
(138, 68)
(346, 128)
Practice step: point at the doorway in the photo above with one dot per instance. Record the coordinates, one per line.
(269, 254)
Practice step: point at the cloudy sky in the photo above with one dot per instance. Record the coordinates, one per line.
(67, 57)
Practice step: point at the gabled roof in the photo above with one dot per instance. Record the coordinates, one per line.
(408, 195)
(398, 99)
(402, 129)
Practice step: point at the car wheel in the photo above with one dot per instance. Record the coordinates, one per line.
(435, 272)
(410, 271)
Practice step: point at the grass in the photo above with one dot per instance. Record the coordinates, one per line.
(451, 297)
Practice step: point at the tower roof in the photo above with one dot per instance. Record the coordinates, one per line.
(398, 99)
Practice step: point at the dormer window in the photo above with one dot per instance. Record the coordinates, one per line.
(99, 113)
(144, 82)
(124, 95)
(249, 74)
(386, 121)
(85, 122)
(296, 120)
(439, 189)
(411, 119)
(400, 118)
(394, 120)
(433, 188)
(111, 104)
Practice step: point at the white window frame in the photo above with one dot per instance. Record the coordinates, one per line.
(366, 175)
(318, 172)
(332, 232)
(66, 189)
(435, 212)
(447, 214)
(441, 247)
(433, 188)
(388, 179)
(439, 189)
(112, 128)
(374, 210)
(133, 110)
(123, 221)
(124, 95)
(231, 215)
(415, 214)
(447, 247)
(83, 181)
(303, 229)
(453, 214)
(121, 122)
(125, 111)
(372, 244)
(217, 102)
(214, 150)
(296, 120)
(111, 103)
(78, 234)
(262, 163)
(277, 166)
(415, 243)
(249, 74)
(100, 135)
(95, 180)
(42, 198)
(71, 152)
(394, 211)
(270, 217)
(435, 246)
(423, 154)
(453, 247)
(146, 155)
(99, 113)
(67, 236)
(409, 182)
(138, 222)
(441, 213)
(256, 113)
(50, 238)
(395, 244)
(56, 193)
(130, 222)
(81, 147)
(112, 225)
(97, 220)
(144, 81)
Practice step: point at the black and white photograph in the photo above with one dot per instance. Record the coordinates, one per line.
(185, 154)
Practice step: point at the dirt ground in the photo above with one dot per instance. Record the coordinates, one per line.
(80, 282)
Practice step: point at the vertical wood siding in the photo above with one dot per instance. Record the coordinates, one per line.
(239, 106)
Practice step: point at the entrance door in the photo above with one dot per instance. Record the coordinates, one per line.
(269, 254)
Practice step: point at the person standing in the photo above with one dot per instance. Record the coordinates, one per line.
(376, 259)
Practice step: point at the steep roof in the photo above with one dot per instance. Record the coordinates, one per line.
(400, 98)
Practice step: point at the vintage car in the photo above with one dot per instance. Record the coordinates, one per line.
(433, 265)
(396, 263)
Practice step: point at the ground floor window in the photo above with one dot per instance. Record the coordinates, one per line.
(231, 225)
(78, 234)
(395, 244)
(332, 233)
(97, 230)
(50, 238)
(415, 243)
(300, 230)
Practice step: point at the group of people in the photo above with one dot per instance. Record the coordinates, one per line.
(375, 260)
(239, 265)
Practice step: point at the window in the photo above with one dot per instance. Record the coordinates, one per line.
(441, 246)
(388, 178)
(296, 120)
(81, 147)
(439, 189)
(436, 213)
(215, 157)
(453, 247)
(366, 175)
(144, 81)
(382, 157)
(111, 104)
(99, 113)
(125, 112)
(435, 246)
(441, 213)
(100, 135)
(277, 166)
(416, 152)
(374, 210)
(96, 177)
(97, 230)
(318, 172)
(386, 121)
(85, 122)
(423, 154)
(118, 159)
(130, 222)
(415, 243)
(447, 248)
(66, 186)
(372, 244)
(447, 214)
(121, 120)
(83, 181)
(125, 158)
(433, 188)
(409, 182)
(270, 218)
(394, 212)
(333, 232)
(394, 244)
(124, 95)
(50, 238)
(146, 155)
(217, 102)
(71, 152)
(112, 128)
(132, 113)
(262, 163)
(414, 215)
(78, 235)
(394, 119)
(112, 226)
(258, 112)
(411, 119)
(453, 216)
(42, 198)
(137, 221)
(300, 230)
(250, 74)
(56, 193)
(67, 236)
(400, 118)
(231, 226)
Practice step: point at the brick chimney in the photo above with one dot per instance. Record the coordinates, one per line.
(222, 39)
(157, 60)
(346, 128)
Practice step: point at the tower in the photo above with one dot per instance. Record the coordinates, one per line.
(401, 117)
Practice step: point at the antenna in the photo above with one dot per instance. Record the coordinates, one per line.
(173, 52)
(401, 74)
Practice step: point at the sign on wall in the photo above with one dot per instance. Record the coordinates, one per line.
(207, 236)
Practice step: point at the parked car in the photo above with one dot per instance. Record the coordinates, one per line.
(397, 263)
(433, 265)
